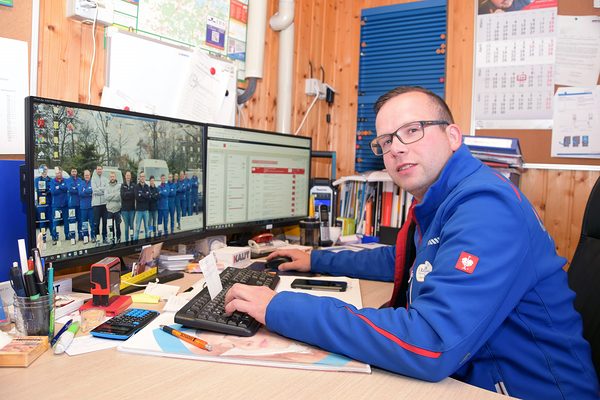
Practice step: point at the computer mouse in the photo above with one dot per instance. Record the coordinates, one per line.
(274, 263)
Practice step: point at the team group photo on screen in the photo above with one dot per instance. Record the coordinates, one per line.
(103, 177)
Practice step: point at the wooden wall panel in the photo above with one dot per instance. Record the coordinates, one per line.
(560, 197)
(327, 34)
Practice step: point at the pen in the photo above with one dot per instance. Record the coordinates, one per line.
(66, 339)
(187, 338)
(60, 332)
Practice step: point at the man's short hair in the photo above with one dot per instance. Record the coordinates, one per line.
(442, 108)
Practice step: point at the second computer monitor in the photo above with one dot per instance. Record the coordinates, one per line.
(255, 179)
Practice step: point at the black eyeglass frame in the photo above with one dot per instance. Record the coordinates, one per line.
(375, 142)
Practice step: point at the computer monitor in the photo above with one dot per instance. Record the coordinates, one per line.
(100, 180)
(255, 180)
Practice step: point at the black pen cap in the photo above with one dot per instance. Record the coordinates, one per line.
(30, 285)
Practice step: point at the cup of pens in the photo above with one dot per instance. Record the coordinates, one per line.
(33, 314)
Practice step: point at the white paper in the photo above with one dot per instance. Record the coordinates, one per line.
(162, 290)
(513, 80)
(89, 343)
(208, 265)
(14, 88)
(576, 131)
(208, 90)
(577, 50)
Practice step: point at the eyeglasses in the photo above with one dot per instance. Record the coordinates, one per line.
(407, 134)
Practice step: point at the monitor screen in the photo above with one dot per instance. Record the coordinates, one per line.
(105, 180)
(255, 179)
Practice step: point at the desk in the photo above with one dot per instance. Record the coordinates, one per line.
(110, 374)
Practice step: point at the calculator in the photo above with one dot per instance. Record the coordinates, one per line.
(124, 325)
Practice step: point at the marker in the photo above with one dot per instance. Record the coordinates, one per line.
(30, 286)
(187, 338)
(16, 280)
(65, 340)
(51, 294)
(59, 334)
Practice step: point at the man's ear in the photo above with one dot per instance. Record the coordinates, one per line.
(454, 136)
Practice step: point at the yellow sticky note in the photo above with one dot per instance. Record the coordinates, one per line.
(145, 298)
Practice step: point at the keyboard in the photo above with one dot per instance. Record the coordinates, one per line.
(203, 313)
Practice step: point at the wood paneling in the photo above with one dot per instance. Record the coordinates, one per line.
(327, 35)
(560, 197)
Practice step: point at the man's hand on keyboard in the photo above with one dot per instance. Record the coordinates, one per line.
(249, 299)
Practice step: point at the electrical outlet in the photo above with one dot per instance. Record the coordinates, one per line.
(312, 87)
(85, 10)
(322, 91)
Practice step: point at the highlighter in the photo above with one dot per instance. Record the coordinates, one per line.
(66, 338)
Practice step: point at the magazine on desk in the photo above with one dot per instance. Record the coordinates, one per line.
(265, 348)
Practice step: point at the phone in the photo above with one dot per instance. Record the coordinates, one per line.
(317, 284)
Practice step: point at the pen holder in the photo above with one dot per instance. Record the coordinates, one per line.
(32, 317)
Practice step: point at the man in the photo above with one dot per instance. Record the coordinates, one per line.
(179, 189)
(99, 184)
(163, 205)
(194, 194)
(142, 202)
(486, 299)
(113, 206)
(172, 200)
(128, 204)
(85, 208)
(153, 207)
(182, 196)
(73, 189)
(60, 206)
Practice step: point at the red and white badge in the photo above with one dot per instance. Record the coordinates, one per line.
(466, 262)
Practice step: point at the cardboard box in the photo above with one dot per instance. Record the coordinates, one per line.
(237, 257)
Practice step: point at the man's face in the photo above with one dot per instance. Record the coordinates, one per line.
(181, 175)
(59, 175)
(86, 175)
(170, 177)
(162, 179)
(99, 170)
(113, 177)
(74, 173)
(142, 178)
(416, 166)
(128, 176)
(503, 4)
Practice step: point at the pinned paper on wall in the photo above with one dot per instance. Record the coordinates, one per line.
(577, 50)
(146, 75)
(576, 131)
(207, 92)
(14, 88)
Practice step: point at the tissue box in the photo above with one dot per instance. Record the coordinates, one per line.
(233, 256)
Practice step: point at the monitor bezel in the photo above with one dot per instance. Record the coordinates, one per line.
(253, 226)
(120, 249)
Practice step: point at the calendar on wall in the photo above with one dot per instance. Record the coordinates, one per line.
(513, 84)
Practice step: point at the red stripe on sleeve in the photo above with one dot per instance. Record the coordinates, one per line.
(398, 341)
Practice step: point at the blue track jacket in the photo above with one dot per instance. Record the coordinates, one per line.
(488, 301)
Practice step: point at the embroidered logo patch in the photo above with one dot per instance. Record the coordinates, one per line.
(466, 262)
(423, 270)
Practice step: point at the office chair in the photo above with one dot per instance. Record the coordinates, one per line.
(584, 274)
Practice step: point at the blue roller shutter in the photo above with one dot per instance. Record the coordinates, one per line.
(402, 44)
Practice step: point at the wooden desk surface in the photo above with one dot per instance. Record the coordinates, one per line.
(110, 374)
